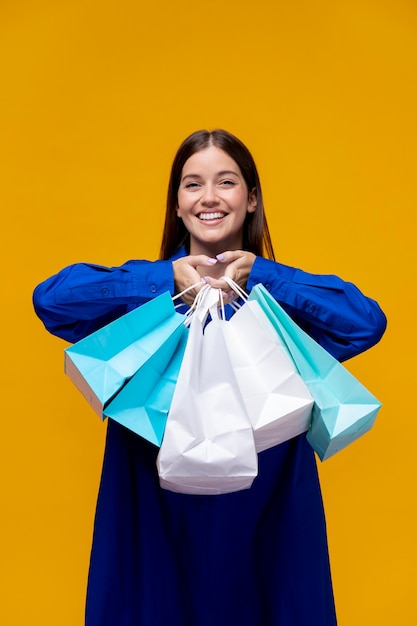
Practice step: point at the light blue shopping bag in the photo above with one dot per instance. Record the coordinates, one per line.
(143, 403)
(343, 409)
(101, 363)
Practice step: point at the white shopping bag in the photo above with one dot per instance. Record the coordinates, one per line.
(208, 445)
(277, 400)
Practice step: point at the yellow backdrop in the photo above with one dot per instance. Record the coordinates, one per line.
(95, 98)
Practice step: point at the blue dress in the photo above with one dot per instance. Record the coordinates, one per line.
(257, 557)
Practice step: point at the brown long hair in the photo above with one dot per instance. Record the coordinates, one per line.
(256, 237)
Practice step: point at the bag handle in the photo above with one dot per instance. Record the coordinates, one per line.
(203, 304)
(187, 289)
(236, 288)
(200, 307)
(205, 301)
(195, 308)
(216, 311)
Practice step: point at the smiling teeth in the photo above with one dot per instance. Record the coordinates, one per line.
(210, 216)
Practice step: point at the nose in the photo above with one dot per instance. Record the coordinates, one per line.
(209, 197)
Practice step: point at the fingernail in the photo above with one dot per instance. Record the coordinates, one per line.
(220, 257)
(204, 279)
(212, 261)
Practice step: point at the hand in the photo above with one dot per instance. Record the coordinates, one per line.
(236, 264)
(189, 270)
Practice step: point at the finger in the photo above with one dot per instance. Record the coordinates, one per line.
(229, 296)
(229, 256)
(201, 259)
(217, 283)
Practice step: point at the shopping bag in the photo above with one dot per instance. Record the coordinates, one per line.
(101, 363)
(343, 408)
(277, 400)
(208, 445)
(143, 403)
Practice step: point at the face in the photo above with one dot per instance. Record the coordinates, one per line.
(213, 201)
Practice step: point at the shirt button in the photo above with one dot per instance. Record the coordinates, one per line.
(104, 291)
(153, 288)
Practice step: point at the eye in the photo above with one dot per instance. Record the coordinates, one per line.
(191, 185)
(228, 183)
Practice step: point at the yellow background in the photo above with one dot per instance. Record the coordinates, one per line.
(95, 98)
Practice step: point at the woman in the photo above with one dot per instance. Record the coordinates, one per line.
(256, 557)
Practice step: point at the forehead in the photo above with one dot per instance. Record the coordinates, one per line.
(210, 161)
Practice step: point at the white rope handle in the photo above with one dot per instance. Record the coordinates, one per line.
(179, 295)
(195, 307)
(236, 288)
(200, 307)
(216, 311)
(205, 301)
(190, 312)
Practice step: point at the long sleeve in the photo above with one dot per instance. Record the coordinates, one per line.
(82, 297)
(334, 312)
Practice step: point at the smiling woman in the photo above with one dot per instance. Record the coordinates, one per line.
(214, 205)
(255, 233)
(256, 557)
(213, 202)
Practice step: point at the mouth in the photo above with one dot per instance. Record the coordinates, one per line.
(210, 217)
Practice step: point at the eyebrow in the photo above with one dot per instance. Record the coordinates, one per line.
(222, 173)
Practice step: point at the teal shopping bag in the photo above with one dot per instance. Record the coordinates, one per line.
(101, 363)
(343, 408)
(143, 403)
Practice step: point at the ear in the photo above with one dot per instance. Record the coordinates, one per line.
(178, 211)
(252, 201)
